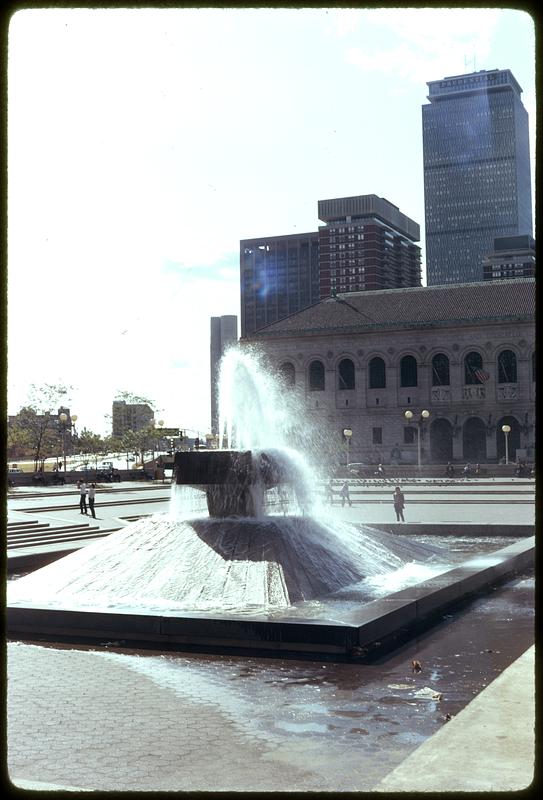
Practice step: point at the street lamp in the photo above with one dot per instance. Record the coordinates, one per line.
(347, 432)
(63, 419)
(506, 431)
(420, 422)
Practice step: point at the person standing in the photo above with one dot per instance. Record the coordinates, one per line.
(344, 493)
(82, 496)
(91, 496)
(330, 492)
(399, 504)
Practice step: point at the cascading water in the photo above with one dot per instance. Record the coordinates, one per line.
(292, 552)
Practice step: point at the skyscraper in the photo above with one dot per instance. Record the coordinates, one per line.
(477, 184)
(278, 275)
(223, 332)
(366, 244)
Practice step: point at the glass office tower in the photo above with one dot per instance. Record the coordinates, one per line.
(477, 183)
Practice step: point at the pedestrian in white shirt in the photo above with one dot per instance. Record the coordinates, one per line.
(82, 496)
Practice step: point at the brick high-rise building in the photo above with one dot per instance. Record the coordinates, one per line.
(477, 184)
(366, 244)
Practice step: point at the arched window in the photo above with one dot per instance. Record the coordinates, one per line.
(507, 367)
(408, 371)
(473, 369)
(440, 370)
(345, 374)
(316, 376)
(378, 375)
(287, 373)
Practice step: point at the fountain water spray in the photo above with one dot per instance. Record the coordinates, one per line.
(255, 548)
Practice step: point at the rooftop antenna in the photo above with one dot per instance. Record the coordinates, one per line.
(471, 60)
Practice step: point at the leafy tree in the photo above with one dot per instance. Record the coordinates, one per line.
(92, 444)
(140, 442)
(130, 397)
(35, 428)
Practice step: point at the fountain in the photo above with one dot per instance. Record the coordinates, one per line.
(267, 567)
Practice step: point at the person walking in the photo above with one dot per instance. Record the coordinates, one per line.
(91, 496)
(399, 504)
(344, 494)
(330, 492)
(82, 486)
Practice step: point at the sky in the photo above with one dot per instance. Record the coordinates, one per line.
(143, 144)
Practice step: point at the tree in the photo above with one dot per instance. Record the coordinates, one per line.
(92, 444)
(140, 442)
(130, 397)
(35, 428)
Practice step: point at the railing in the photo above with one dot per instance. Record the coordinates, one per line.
(440, 395)
(508, 391)
(474, 392)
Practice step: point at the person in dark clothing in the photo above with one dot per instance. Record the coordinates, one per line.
(450, 470)
(399, 504)
(91, 496)
(344, 494)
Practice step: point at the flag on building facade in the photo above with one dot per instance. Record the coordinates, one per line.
(481, 375)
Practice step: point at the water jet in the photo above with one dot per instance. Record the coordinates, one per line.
(268, 567)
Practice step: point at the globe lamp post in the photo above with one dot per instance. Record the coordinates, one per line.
(420, 422)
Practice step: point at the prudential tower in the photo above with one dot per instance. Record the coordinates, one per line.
(477, 184)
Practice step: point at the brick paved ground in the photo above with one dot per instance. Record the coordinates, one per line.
(155, 740)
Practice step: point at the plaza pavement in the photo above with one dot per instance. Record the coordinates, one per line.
(99, 720)
(81, 720)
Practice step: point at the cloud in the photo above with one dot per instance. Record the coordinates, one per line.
(423, 44)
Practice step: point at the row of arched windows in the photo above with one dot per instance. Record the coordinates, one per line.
(377, 373)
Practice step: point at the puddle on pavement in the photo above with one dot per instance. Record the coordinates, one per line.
(302, 727)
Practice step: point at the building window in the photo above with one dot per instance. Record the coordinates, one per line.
(440, 370)
(473, 369)
(288, 373)
(507, 367)
(346, 374)
(377, 373)
(409, 435)
(316, 376)
(377, 435)
(408, 371)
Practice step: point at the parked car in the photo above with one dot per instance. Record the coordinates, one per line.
(108, 475)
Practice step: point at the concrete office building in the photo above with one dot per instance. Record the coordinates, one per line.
(223, 334)
(465, 353)
(130, 417)
(512, 257)
(477, 184)
(278, 276)
(366, 244)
